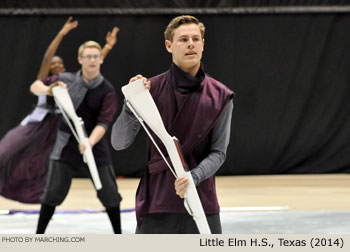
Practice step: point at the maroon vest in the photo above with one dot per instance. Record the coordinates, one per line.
(191, 122)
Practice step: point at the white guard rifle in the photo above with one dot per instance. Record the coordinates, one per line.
(141, 103)
(65, 104)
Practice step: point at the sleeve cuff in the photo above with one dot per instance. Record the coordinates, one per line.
(195, 178)
(103, 125)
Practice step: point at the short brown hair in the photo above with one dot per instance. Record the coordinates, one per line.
(89, 44)
(180, 20)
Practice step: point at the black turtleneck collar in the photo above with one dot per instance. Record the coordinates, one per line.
(182, 81)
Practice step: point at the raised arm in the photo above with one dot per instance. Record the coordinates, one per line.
(51, 50)
(111, 39)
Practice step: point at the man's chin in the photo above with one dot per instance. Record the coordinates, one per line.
(191, 63)
(92, 70)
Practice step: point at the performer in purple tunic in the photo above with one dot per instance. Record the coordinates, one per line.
(197, 110)
(95, 101)
(23, 169)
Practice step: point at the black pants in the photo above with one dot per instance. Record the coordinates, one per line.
(171, 223)
(59, 180)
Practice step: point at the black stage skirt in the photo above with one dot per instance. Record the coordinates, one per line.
(24, 157)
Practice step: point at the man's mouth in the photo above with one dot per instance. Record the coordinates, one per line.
(57, 70)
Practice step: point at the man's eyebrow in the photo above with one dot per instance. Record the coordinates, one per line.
(190, 35)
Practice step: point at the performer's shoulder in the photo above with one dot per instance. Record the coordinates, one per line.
(157, 81)
(158, 78)
(108, 84)
(215, 82)
(218, 85)
(67, 76)
(107, 89)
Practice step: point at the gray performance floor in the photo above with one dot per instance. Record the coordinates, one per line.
(263, 222)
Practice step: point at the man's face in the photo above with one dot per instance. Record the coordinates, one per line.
(187, 47)
(90, 61)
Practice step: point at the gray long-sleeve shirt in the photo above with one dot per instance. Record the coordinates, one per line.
(127, 126)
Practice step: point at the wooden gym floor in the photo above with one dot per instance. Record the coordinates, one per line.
(294, 192)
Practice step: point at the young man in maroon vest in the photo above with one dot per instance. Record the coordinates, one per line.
(197, 110)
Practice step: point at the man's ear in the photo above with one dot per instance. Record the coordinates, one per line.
(79, 60)
(168, 46)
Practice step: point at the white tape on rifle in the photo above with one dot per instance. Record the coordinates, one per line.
(65, 104)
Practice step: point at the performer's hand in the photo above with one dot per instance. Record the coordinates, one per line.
(181, 184)
(68, 26)
(146, 82)
(82, 148)
(52, 85)
(62, 84)
(111, 37)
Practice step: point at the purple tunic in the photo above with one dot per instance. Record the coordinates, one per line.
(24, 155)
(190, 118)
